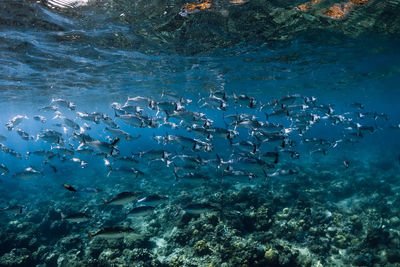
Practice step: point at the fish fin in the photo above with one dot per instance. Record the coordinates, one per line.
(89, 234)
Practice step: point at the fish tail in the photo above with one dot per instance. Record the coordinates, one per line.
(89, 234)
(62, 216)
(105, 200)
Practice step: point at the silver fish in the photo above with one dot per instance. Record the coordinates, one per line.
(11, 124)
(28, 173)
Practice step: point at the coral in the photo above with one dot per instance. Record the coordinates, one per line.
(17, 257)
(201, 248)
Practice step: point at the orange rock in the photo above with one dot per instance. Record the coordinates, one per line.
(338, 11)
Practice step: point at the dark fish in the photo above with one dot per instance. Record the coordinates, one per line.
(140, 211)
(3, 138)
(75, 217)
(69, 188)
(112, 232)
(123, 198)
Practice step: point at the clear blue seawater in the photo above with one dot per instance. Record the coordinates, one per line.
(339, 206)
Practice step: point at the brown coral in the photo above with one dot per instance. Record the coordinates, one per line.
(200, 6)
(307, 5)
(338, 11)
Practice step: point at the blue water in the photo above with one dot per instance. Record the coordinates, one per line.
(93, 58)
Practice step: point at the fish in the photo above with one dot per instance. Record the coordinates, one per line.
(140, 211)
(119, 133)
(246, 146)
(93, 117)
(11, 124)
(131, 119)
(109, 121)
(27, 174)
(63, 151)
(50, 136)
(49, 108)
(123, 198)
(172, 96)
(10, 151)
(245, 100)
(3, 138)
(141, 101)
(282, 172)
(152, 200)
(39, 118)
(24, 135)
(289, 99)
(70, 123)
(14, 209)
(199, 208)
(103, 147)
(213, 102)
(346, 163)
(75, 217)
(112, 232)
(69, 188)
(63, 103)
(3, 169)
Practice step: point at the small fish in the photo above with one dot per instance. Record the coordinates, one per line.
(140, 211)
(69, 188)
(63, 103)
(50, 136)
(39, 118)
(120, 134)
(152, 200)
(200, 208)
(103, 147)
(112, 232)
(10, 151)
(93, 117)
(3, 169)
(346, 163)
(27, 174)
(3, 138)
(11, 124)
(24, 135)
(122, 198)
(75, 217)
